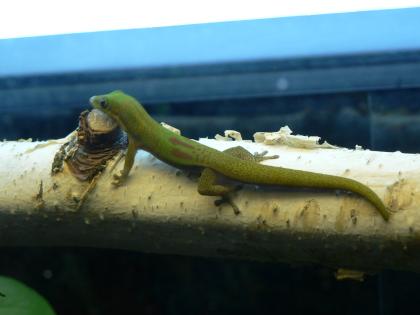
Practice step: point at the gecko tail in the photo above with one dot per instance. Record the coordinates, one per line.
(268, 175)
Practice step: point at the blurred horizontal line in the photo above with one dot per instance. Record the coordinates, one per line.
(216, 86)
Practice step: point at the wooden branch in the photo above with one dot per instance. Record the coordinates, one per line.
(159, 209)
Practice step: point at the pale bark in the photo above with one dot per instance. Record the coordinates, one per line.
(159, 209)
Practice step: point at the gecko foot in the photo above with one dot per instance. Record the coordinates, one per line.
(262, 156)
(227, 199)
(119, 179)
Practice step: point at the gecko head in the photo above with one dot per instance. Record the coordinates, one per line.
(111, 103)
(123, 108)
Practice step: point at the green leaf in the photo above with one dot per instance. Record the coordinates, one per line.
(18, 299)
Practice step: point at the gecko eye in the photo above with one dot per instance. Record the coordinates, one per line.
(103, 103)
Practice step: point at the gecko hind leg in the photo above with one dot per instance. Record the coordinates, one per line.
(208, 178)
(244, 154)
(207, 186)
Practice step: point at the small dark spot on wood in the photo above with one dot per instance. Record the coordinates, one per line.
(353, 216)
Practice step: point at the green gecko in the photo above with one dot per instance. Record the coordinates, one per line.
(236, 164)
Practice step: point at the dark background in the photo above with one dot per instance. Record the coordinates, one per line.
(349, 78)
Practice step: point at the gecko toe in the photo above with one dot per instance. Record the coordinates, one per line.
(228, 200)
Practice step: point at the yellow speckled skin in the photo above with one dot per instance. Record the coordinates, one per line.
(145, 133)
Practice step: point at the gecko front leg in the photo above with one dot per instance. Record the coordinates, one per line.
(120, 178)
